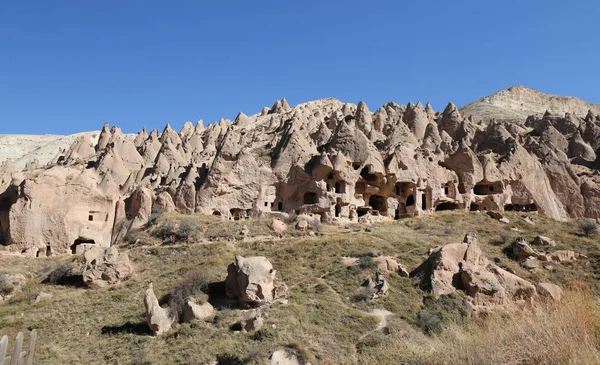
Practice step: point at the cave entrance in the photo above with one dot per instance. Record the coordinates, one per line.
(400, 211)
(521, 207)
(311, 198)
(365, 174)
(378, 203)
(487, 188)
(410, 201)
(338, 210)
(446, 206)
(78, 242)
(423, 201)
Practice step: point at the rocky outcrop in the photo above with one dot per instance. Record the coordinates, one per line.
(105, 266)
(159, 319)
(463, 267)
(251, 279)
(334, 161)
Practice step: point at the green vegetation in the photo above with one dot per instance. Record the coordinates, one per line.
(323, 322)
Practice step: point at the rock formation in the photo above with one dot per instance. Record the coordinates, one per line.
(159, 319)
(105, 266)
(336, 161)
(250, 279)
(462, 266)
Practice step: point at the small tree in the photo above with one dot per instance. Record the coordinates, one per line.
(589, 227)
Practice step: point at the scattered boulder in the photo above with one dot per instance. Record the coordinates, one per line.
(544, 241)
(497, 216)
(530, 263)
(388, 264)
(105, 266)
(375, 288)
(194, 310)
(253, 320)
(42, 296)
(551, 291)
(302, 225)
(159, 319)
(521, 250)
(278, 226)
(245, 231)
(250, 279)
(564, 256)
(281, 357)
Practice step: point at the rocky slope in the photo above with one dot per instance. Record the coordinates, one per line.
(337, 160)
(23, 148)
(518, 102)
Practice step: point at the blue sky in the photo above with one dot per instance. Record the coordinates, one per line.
(69, 66)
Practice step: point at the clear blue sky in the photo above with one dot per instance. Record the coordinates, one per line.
(69, 66)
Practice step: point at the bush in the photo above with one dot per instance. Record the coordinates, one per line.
(188, 228)
(5, 286)
(435, 313)
(589, 227)
(193, 284)
(61, 274)
(165, 229)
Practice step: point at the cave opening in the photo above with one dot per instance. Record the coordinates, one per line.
(410, 201)
(311, 198)
(378, 203)
(78, 242)
(446, 206)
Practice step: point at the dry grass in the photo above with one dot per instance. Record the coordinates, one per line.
(564, 333)
(321, 321)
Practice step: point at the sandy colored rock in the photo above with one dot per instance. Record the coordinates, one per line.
(250, 279)
(551, 291)
(544, 241)
(194, 310)
(105, 266)
(278, 226)
(159, 319)
(388, 264)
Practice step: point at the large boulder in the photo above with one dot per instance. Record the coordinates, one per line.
(388, 264)
(159, 319)
(544, 241)
(550, 291)
(462, 266)
(105, 266)
(250, 279)
(282, 357)
(193, 310)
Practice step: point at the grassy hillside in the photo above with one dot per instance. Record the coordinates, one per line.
(325, 321)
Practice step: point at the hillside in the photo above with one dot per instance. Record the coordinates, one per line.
(518, 102)
(22, 148)
(325, 320)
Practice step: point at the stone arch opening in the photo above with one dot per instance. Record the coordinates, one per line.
(475, 207)
(80, 241)
(216, 213)
(339, 188)
(487, 188)
(410, 201)
(338, 210)
(423, 201)
(48, 249)
(311, 198)
(365, 174)
(379, 203)
(446, 206)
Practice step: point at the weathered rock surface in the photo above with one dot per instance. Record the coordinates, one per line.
(194, 310)
(251, 279)
(544, 241)
(551, 291)
(105, 266)
(159, 319)
(388, 264)
(282, 357)
(462, 266)
(334, 161)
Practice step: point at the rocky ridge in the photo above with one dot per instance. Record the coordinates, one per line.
(336, 160)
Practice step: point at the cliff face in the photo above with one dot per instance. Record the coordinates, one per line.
(339, 160)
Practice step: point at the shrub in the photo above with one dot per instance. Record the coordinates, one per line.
(61, 274)
(366, 262)
(188, 228)
(5, 286)
(589, 227)
(435, 313)
(164, 229)
(193, 284)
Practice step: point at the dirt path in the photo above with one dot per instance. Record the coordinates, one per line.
(383, 315)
